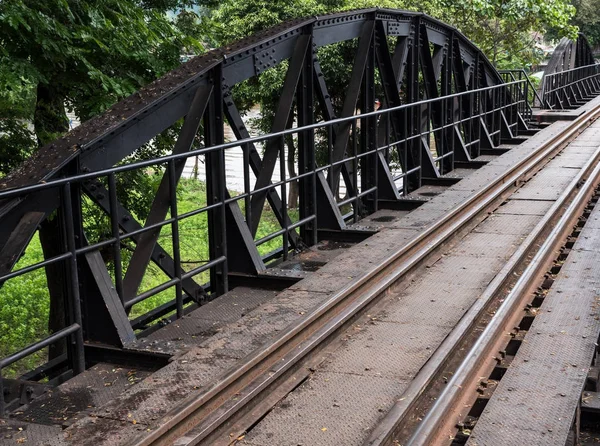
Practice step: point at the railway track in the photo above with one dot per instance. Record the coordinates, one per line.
(509, 299)
(223, 413)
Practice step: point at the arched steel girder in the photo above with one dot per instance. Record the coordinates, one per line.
(429, 59)
(570, 54)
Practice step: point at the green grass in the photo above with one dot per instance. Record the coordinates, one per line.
(193, 234)
(24, 308)
(24, 301)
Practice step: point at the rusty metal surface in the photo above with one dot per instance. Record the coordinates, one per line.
(93, 431)
(486, 158)
(14, 432)
(381, 219)
(155, 395)
(234, 305)
(202, 365)
(540, 189)
(592, 222)
(325, 251)
(434, 210)
(536, 400)
(432, 303)
(386, 349)
(203, 322)
(371, 252)
(459, 173)
(536, 403)
(573, 161)
(158, 394)
(426, 192)
(357, 261)
(485, 245)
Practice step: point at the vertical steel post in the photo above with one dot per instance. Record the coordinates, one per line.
(368, 129)
(306, 144)
(175, 236)
(284, 197)
(114, 223)
(216, 183)
(73, 298)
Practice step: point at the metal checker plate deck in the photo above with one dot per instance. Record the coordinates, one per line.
(539, 189)
(233, 305)
(146, 401)
(535, 404)
(524, 207)
(202, 365)
(93, 431)
(381, 219)
(203, 322)
(458, 173)
(508, 224)
(536, 400)
(337, 419)
(13, 432)
(91, 389)
(154, 396)
(573, 161)
(398, 339)
(400, 352)
(487, 245)
(457, 282)
(426, 192)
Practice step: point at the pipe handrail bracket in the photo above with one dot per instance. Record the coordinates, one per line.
(442, 103)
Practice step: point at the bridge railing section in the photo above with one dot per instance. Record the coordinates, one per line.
(528, 91)
(570, 88)
(386, 155)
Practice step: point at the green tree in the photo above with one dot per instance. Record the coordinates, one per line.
(587, 19)
(84, 55)
(506, 29)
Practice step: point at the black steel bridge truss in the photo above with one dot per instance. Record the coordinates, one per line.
(442, 105)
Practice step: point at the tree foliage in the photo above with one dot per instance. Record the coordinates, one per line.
(506, 31)
(587, 19)
(82, 54)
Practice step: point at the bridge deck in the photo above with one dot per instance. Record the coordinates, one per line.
(397, 342)
(536, 401)
(346, 397)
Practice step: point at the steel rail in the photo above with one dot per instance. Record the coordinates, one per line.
(207, 412)
(446, 405)
(388, 428)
